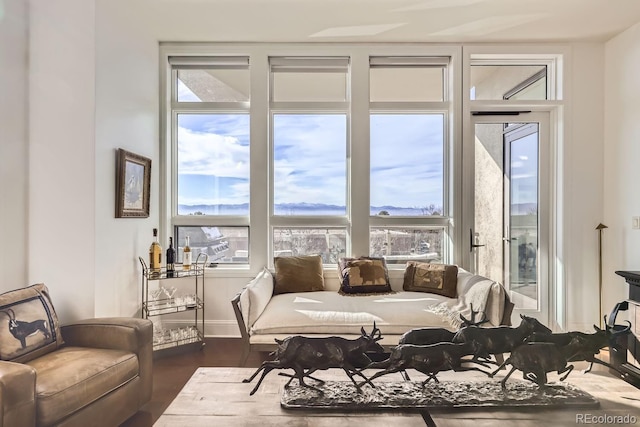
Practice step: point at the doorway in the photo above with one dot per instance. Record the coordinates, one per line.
(506, 164)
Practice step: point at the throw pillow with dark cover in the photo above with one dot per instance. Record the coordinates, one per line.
(298, 274)
(29, 327)
(438, 279)
(364, 275)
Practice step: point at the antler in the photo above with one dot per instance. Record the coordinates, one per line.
(373, 332)
(473, 322)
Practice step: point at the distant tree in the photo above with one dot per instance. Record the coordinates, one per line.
(383, 213)
(432, 209)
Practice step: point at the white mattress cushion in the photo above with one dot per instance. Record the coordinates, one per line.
(328, 312)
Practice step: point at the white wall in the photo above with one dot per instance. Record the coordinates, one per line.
(127, 105)
(583, 188)
(95, 89)
(621, 161)
(62, 184)
(13, 144)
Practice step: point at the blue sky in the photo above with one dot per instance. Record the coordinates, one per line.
(524, 170)
(310, 158)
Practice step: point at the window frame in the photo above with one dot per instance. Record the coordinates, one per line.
(444, 107)
(170, 219)
(358, 219)
(307, 63)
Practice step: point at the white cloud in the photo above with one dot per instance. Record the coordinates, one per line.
(210, 154)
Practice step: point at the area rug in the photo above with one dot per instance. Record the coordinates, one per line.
(446, 394)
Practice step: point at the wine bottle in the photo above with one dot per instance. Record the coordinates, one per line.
(171, 259)
(186, 255)
(155, 254)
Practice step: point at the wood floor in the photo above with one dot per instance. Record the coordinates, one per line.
(170, 374)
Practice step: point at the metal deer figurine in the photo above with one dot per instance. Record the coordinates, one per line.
(589, 344)
(306, 355)
(428, 359)
(499, 339)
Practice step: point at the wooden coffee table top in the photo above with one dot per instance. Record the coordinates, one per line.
(217, 396)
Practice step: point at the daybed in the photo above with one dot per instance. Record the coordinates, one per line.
(264, 315)
(96, 372)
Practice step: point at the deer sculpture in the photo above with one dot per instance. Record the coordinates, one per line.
(434, 335)
(21, 330)
(589, 344)
(426, 336)
(306, 355)
(536, 359)
(428, 359)
(499, 339)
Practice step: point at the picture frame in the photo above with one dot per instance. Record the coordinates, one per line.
(133, 184)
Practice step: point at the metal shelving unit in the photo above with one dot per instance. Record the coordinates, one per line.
(191, 337)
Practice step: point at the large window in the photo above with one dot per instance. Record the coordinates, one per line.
(210, 143)
(408, 144)
(309, 122)
(337, 153)
(309, 164)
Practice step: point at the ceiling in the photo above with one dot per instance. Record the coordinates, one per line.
(388, 20)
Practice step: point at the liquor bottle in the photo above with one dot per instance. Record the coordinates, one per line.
(171, 259)
(186, 255)
(155, 254)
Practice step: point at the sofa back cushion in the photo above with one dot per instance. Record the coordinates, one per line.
(29, 327)
(298, 274)
(364, 275)
(438, 279)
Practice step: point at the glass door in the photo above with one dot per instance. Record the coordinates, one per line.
(508, 196)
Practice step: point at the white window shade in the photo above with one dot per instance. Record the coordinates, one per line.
(305, 79)
(309, 65)
(408, 61)
(202, 62)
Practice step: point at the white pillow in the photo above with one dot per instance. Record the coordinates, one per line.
(255, 297)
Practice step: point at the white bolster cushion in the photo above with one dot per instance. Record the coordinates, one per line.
(255, 297)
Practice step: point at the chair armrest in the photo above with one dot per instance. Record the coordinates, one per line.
(17, 395)
(118, 333)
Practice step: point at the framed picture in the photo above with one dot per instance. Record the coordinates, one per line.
(133, 182)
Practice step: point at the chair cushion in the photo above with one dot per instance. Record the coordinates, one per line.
(298, 274)
(73, 377)
(364, 275)
(438, 279)
(29, 327)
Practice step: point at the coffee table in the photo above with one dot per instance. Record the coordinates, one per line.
(217, 396)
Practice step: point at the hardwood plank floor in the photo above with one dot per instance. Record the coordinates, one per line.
(171, 373)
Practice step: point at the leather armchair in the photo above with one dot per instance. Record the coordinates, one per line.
(100, 377)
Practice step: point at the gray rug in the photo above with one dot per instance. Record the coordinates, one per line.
(447, 394)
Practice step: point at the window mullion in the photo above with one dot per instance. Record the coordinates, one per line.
(359, 156)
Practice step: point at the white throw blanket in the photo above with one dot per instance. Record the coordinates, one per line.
(476, 296)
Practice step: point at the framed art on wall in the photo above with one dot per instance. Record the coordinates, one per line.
(133, 182)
